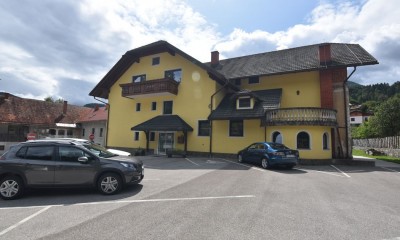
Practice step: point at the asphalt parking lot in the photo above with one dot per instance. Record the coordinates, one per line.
(202, 198)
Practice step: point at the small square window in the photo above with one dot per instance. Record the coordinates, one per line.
(244, 103)
(156, 61)
(253, 80)
(352, 119)
(138, 105)
(154, 106)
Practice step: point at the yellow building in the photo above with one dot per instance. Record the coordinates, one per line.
(162, 98)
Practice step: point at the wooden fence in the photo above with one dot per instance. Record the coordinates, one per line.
(387, 142)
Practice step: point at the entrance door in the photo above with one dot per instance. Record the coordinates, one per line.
(165, 141)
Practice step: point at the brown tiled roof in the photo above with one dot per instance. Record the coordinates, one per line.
(18, 110)
(96, 114)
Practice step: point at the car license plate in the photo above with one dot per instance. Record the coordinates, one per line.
(290, 155)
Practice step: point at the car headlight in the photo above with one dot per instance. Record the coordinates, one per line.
(129, 165)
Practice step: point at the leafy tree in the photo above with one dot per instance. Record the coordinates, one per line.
(387, 118)
(51, 99)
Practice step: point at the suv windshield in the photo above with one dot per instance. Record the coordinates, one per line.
(99, 150)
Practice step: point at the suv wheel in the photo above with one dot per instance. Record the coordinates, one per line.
(11, 187)
(109, 183)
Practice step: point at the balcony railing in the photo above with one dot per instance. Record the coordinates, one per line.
(301, 116)
(150, 87)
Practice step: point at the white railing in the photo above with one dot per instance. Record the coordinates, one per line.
(301, 116)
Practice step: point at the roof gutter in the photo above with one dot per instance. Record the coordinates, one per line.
(346, 105)
(211, 109)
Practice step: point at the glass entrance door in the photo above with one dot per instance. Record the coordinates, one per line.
(165, 141)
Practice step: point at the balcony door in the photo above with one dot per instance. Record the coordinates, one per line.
(165, 141)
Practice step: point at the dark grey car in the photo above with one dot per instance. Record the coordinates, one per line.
(57, 163)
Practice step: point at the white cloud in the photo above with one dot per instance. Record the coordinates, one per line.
(374, 25)
(47, 47)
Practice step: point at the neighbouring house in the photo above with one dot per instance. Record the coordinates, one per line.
(358, 117)
(160, 98)
(21, 119)
(95, 123)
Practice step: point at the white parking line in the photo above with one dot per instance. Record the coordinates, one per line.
(244, 165)
(165, 200)
(23, 221)
(192, 161)
(390, 169)
(341, 171)
(329, 173)
(129, 201)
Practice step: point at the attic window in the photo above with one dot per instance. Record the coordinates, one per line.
(156, 61)
(244, 103)
(254, 80)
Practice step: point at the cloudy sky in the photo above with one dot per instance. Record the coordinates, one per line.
(63, 48)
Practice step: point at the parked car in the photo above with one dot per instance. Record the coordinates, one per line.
(269, 154)
(65, 163)
(115, 151)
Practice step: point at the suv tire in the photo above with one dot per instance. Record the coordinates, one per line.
(109, 183)
(11, 187)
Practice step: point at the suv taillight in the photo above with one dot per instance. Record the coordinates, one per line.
(2, 158)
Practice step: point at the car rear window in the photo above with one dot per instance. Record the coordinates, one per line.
(278, 146)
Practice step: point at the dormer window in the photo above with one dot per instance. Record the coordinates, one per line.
(244, 103)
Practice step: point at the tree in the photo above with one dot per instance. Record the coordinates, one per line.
(51, 99)
(386, 121)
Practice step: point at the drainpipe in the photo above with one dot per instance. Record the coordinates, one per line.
(108, 117)
(211, 109)
(345, 111)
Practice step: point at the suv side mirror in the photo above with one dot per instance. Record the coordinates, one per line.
(83, 160)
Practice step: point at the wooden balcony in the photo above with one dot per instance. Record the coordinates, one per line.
(155, 87)
(301, 116)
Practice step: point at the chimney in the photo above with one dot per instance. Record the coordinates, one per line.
(65, 107)
(325, 54)
(96, 107)
(214, 58)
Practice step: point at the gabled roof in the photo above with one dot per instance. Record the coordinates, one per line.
(290, 60)
(266, 99)
(18, 110)
(164, 123)
(132, 56)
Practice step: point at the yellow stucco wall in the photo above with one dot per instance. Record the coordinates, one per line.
(191, 103)
(306, 83)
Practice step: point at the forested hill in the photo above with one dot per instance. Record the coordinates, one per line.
(379, 92)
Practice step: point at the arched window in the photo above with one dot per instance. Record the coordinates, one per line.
(303, 140)
(277, 137)
(325, 141)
